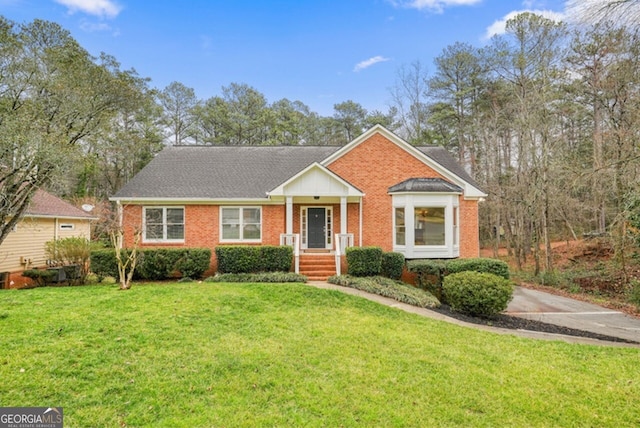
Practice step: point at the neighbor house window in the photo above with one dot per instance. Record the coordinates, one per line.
(67, 226)
(163, 224)
(241, 224)
(429, 226)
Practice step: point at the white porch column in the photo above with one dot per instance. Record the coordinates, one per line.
(289, 215)
(343, 214)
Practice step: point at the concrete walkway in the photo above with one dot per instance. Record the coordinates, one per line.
(535, 305)
(552, 309)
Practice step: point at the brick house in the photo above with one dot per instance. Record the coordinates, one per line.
(378, 190)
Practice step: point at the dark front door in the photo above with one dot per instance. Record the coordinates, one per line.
(316, 227)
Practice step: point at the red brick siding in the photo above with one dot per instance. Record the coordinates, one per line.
(202, 227)
(469, 229)
(393, 165)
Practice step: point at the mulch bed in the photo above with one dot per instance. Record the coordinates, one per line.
(516, 323)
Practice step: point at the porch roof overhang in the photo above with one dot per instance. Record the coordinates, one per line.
(318, 182)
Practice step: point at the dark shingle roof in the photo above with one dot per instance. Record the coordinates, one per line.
(219, 172)
(444, 158)
(425, 185)
(238, 172)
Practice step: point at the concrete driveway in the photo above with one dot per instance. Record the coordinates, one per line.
(552, 309)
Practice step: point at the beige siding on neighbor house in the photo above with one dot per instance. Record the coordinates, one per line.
(29, 238)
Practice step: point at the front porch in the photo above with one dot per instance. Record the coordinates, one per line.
(318, 224)
(318, 264)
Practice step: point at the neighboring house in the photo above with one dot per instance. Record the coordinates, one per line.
(47, 218)
(377, 190)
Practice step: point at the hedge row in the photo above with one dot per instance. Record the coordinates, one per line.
(277, 277)
(430, 274)
(155, 264)
(254, 259)
(372, 261)
(388, 288)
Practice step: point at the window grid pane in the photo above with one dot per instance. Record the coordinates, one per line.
(429, 226)
(400, 227)
(240, 224)
(163, 224)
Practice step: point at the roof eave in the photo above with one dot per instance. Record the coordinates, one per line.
(188, 201)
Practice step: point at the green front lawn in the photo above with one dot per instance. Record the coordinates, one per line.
(202, 355)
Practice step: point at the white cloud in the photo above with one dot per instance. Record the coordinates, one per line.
(499, 26)
(433, 5)
(91, 27)
(101, 8)
(369, 62)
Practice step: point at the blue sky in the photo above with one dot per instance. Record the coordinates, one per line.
(319, 52)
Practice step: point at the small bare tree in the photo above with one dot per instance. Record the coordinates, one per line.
(125, 259)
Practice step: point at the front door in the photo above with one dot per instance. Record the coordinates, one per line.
(316, 228)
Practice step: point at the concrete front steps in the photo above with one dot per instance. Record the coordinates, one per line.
(317, 267)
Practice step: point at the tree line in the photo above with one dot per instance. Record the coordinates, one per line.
(545, 117)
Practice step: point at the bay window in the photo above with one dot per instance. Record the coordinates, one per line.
(426, 225)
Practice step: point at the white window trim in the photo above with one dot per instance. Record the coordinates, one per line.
(240, 224)
(164, 224)
(395, 227)
(409, 202)
(67, 226)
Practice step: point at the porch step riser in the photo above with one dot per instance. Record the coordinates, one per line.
(317, 268)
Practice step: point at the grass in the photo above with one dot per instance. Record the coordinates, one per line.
(202, 355)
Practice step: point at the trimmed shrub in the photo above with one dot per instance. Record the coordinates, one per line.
(477, 293)
(388, 288)
(237, 259)
(40, 276)
(276, 258)
(194, 262)
(103, 264)
(392, 265)
(429, 274)
(273, 277)
(496, 267)
(253, 259)
(364, 261)
(155, 264)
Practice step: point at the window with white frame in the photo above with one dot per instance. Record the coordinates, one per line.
(426, 225)
(163, 224)
(429, 226)
(241, 224)
(400, 235)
